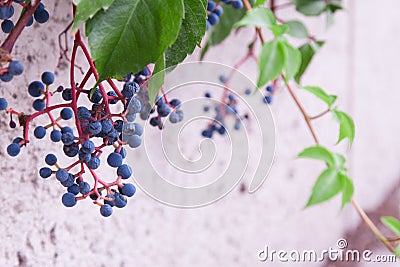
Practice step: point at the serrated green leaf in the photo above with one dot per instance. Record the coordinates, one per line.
(321, 94)
(191, 32)
(327, 186)
(132, 34)
(297, 29)
(157, 79)
(259, 2)
(278, 29)
(347, 128)
(307, 53)
(319, 153)
(310, 7)
(347, 188)
(392, 223)
(292, 62)
(258, 17)
(85, 9)
(271, 62)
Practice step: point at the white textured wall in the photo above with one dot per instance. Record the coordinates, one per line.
(359, 63)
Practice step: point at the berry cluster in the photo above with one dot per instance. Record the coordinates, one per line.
(214, 10)
(41, 15)
(6, 12)
(96, 129)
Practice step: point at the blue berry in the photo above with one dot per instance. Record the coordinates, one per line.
(6, 77)
(174, 117)
(15, 67)
(109, 202)
(84, 188)
(45, 172)
(134, 106)
(39, 105)
(83, 113)
(118, 125)
(106, 210)
(112, 94)
(160, 100)
(62, 175)
(238, 4)
(13, 149)
(35, 88)
(145, 72)
(120, 200)
(268, 99)
(55, 136)
(222, 130)
(163, 110)
(130, 88)
(106, 126)
(67, 94)
(74, 189)
(213, 18)
(211, 5)
(138, 129)
(208, 95)
(67, 138)
(175, 103)
(67, 129)
(39, 132)
(208, 25)
(94, 163)
(6, 12)
(219, 11)
(124, 171)
(122, 152)
(88, 147)
(40, 6)
(68, 199)
(207, 133)
(247, 91)
(71, 150)
(84, 157)
(41, 15)
(50, 159)
(114, 160)
(134, 141)
(69, 182)
(269, 88)
(95, 127)
(128, 190)
(223, 78)
(96, 96)
(155, 121)
(3, 104)
(17, 140)
(66, 113)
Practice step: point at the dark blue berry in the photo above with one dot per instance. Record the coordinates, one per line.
(211, 5)
(175, 103)
(35, 88)
(128, 190)
(83, 113)
(95, 127)
(55, 136)
(88, 147)
(67, 94)
(120, 200)
(13, 149)
(66, 113)
(74, 189)
(41, 15)
(84, 188)
(269, 88)
(112, 94)
(67, 138)
(15, 67)
(50, 159)
(71, 150)
(39, 132)
(68, 199)
(114, 160)
(213, 18)
(84, 157)
(109, 202)
(124, 171)
(96, 96)
(106, 210)
(6, 77)
(39, 105)
(62, 175)
(94, 163)
(268, 99)
(3, 104)
(45, 172)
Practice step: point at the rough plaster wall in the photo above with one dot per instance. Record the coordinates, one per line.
(38, 231)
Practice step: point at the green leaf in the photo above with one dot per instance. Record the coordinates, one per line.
(258, 17)
(278, 29)
(340, 161)
(397, 251)
(310, 7)
(307, 53)
(271, 62)
(318, 153)
(321, 94)
(293, 61)
(392, 223)
(132, 34)
(347, 128)
(347, 188)
(222, 30)
(191, 32)
(326, 187)
(297, 29)
(157, 79)
(260, 2)
(85, 9)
